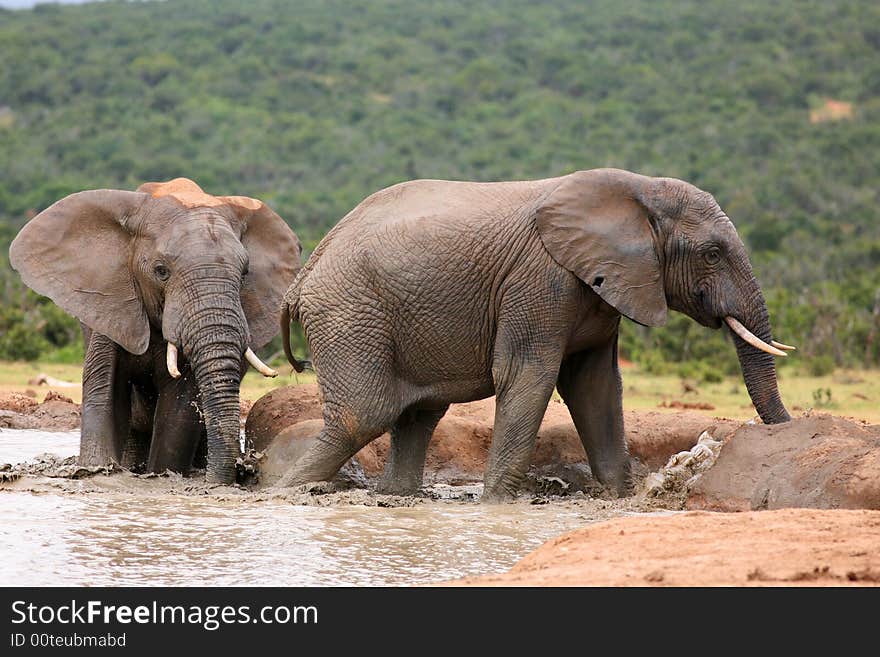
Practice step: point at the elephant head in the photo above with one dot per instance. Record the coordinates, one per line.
(205, 272)
(648, 244)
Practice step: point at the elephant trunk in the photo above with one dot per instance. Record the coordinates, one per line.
(758, 367)
(218, 375)
(213, 336)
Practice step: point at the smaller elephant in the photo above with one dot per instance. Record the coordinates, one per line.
(435, 292)
(174, 288)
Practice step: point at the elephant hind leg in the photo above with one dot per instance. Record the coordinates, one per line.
(348, 427)
(410, 436)
(590, 384)
(362, 399)
(334, 445)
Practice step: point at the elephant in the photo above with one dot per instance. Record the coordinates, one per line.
(433, 292)
(175, 288)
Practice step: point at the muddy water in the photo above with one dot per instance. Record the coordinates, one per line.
(114, 538)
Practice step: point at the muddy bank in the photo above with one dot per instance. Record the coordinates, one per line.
(56, 413)
(288, 417)
(770, 548)
(816, 461)
(819, 461)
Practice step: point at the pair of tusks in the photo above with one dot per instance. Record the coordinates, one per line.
(775, 348)
(260, 366)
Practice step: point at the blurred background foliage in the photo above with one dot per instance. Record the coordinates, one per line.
(314, 104)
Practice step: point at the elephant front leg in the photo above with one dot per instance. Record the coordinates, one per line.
(410, 436)
(106, 408)
(522, 393)
(177, 428)
(136, 449)
(589, 383)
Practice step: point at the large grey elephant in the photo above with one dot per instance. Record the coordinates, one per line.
(175, 288)
(434, 292)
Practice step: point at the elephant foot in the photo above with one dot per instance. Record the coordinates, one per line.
(497, 497)
(225, 476)
(501, 491)
(297, 477)
(99, 460)
(616, 480)
(398, 486)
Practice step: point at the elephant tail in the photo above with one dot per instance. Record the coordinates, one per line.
(288, 313)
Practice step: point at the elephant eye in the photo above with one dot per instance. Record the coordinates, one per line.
(712, 256)
(161, 271)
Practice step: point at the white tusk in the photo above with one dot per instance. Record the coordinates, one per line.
(779, 345)
(259, 365)
(751, 338)
(171, 361)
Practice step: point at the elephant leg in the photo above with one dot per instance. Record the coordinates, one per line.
(332, 449)
(177, 428)
(136, 448)
(410, 436)
(344, 434)
(523, 387)
(106, 408)
(200, 460)
(589, 383)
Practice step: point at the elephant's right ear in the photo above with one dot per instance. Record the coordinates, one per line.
(595, 225)
(77, 253)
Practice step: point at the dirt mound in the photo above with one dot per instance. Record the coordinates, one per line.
(458, 451)
(17, 403)
(279, 409)
(56, 413)
(789, 547)
(819, 461)
(57, 396)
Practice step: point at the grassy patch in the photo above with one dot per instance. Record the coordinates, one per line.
(853, 393)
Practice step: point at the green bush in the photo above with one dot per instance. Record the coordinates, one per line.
(820, 365)
(700, 370)
(22, 343)
(57, 327)
(822, 398)
(652, 362)
(72, 353)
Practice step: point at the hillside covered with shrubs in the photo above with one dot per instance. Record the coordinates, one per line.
(312, 105)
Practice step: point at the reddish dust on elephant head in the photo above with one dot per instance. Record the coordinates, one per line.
(190, 195)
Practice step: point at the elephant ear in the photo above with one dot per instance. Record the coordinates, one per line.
(274, 259)
(76, 252)
(595, 225)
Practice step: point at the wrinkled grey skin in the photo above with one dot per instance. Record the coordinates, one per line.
(140, 269)
(434, 292)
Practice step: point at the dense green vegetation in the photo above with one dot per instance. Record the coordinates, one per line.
(311, 105)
